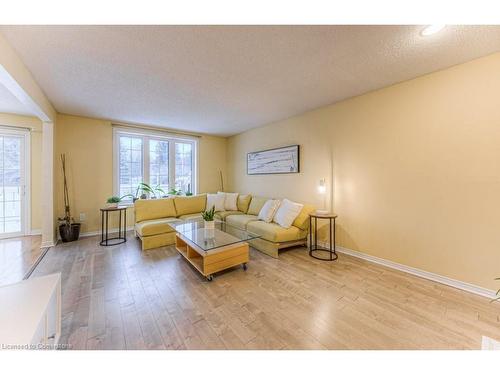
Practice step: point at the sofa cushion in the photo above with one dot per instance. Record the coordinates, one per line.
(276, 233)
(244, 202)
(215, 201)
(268, 210)
(230, 201)
(287, 213)
(153, 227)
(240, 221)
(191, 216)
(224, 214)
(302, 221)
(190, 205)
(256, 205)
(151, 209)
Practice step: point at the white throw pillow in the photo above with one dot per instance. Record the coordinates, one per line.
(287, 213)
(268, 210)
(215, 200)
(231, 201)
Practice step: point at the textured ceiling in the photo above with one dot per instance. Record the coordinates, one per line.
(10, 104)
(227, 79)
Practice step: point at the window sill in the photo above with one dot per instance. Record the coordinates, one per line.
(126, 204)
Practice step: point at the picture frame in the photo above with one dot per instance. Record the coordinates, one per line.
(280, 160)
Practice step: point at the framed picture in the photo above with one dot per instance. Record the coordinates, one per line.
(274, 161)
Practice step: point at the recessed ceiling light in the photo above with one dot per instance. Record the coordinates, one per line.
(431, 29)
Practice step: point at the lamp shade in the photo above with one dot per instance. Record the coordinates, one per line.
(322, 186)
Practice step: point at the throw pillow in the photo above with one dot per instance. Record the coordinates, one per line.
(268, 210)
(230, 201)
(256, 205)
(215, 200)
(244, 202)
(287, 213)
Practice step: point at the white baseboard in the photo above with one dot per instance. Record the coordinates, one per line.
(471, 288)
(98, 232)
(35, 232)
(45, 244)
(95, 233)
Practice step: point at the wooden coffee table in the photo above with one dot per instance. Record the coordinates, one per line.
(212, 250)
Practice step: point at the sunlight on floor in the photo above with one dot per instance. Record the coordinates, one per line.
(17, 255)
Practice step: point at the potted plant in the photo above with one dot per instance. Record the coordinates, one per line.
(208, 217)
(147, 189)
(68, 229)
(112, 202)
(175, 192)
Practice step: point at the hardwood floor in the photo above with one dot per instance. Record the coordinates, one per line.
(120, 298)
(17, 256)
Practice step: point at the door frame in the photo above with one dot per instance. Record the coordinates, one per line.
(24, 133)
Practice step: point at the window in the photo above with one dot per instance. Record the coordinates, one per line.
(183, 163)
(166, 162)
(131, 163)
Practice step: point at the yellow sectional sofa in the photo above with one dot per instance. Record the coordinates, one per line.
(273, 237)
(154, 216)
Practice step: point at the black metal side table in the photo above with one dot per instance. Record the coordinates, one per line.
(122, 233)
(314, 249)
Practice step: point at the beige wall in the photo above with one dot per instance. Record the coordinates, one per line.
(88, 145)
(36, 159)
(415, 165)
(315, 152)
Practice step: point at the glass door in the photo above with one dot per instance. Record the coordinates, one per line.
(13, 200)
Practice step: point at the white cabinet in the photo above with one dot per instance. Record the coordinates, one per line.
(30, 313)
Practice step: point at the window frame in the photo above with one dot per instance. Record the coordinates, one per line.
(146, 136)
(25, 170)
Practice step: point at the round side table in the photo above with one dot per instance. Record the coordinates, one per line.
(314, 250)
(122, 233)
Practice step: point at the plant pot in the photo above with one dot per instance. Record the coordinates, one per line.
(111, 205)
(209, 224)
(69, 233)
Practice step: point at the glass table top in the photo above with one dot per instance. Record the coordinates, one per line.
(208, 239)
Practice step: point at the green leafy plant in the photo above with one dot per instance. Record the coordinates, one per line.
(160, 190)
(146, 188)
(113, 199)
(116, 199)
(153, 192)
(175, 192)
(208, 215)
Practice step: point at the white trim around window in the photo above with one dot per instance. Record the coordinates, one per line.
(150, 135)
